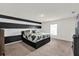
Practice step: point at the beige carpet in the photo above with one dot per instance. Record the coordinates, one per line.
(53, 48)
(18, 49)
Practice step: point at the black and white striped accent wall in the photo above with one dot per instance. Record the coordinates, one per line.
(13, 27)
(13, 22)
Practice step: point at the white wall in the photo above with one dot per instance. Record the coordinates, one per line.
(65, 30)
(14, 32)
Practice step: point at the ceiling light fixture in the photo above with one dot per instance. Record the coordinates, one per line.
(42, 15)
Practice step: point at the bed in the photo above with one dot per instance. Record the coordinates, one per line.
(34, 38)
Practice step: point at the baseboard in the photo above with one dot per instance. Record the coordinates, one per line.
(13, 42)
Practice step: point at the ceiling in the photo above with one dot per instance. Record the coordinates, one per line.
(39, 11)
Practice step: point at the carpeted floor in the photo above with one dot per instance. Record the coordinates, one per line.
(53, 48)
(18, 49)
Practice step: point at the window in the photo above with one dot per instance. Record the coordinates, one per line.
(53, 29)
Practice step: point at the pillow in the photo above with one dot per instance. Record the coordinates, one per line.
(26, 32)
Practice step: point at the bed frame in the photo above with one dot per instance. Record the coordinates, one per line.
(35, 45)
